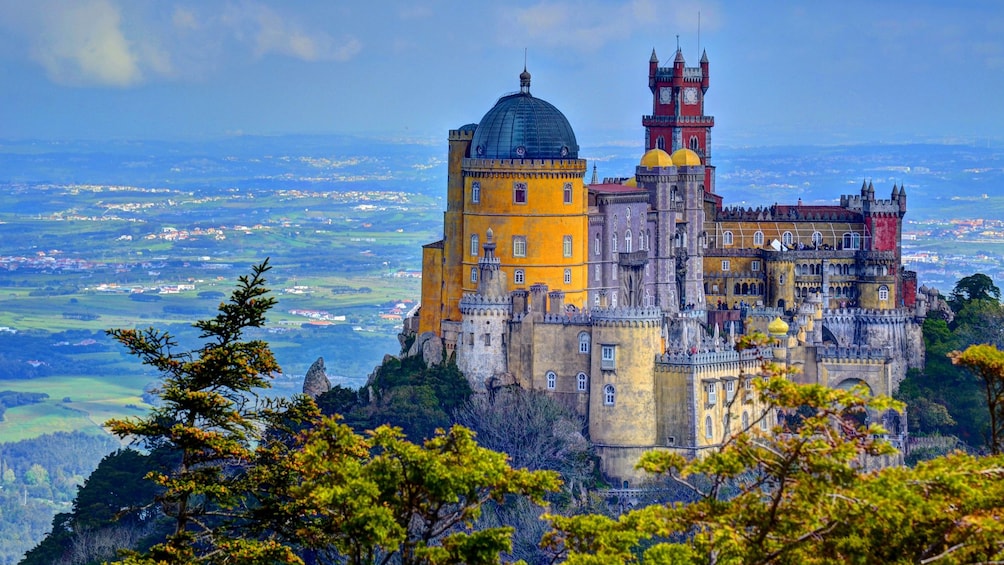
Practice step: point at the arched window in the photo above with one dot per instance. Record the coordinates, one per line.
(727, 238)
(883, 293)
(787, 238)
(627, 241)
(518, 277)
(641, 240)
(694, 143)
(552, 380)
(568, 276)
(613, 243)
(584, 341)
(817, 238)
(608, 395)
(709, 429)
(474, 274)
(568, 193)
(582, 382)
(758, 238)
(474, 245)
(476, 191)
(660, 142)
(566, 246)
(596, 245)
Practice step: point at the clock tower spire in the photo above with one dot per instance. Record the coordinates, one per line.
(678, 119)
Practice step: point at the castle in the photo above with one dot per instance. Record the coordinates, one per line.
(623, 298)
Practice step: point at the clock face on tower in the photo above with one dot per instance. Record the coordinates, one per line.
(690, 95)
(665, 95)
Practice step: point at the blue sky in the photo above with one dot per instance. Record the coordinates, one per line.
(781, 72)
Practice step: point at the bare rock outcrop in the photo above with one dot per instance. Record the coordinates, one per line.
(316, 382)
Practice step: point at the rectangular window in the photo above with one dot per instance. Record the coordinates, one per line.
(488, 340)
(566, 246)
(725, 264)
(476, 191)
(712, 393)
(568, 193)
(608, 357)
(755, 265)
(519, 192)
(730, 390)
(518, 246)
(596, 272)
(568, 276)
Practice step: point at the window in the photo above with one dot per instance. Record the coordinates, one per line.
(566, 246)
(787, 239)
(596, 244)
(627, 241)
(475, 192)
(608, 395)
(568, 193)
(518, 277)
(709, 430)
(488, 340)
(694, 143)
(608, 357)
(763, 421)
(725, 264)
(582, 382)
(746, 420)
(727, 238)
(660, 143)
(518, 246)
(474, 245)
(613, 243)
(712, 393)
(584, 342)
(730, 390)
(755, 265)
(883, 293)
(474, 274)
(817, 238)
(552, 380)
(568, 276)
(596, 272)
(519, 192)
(758, 238)
(613, 271)
(613, 298)
(852, 241)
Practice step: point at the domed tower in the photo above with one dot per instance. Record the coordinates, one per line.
(523, 179)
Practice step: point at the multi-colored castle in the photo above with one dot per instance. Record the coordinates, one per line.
(623, 298)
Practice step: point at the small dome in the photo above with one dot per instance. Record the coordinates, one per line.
(656, 158)
(633, 181)
(686, 158)
(778, 327)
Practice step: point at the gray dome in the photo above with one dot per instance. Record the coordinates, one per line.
(520, 126)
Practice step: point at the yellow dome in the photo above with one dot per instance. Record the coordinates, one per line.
(778, 326)
(633, 181)
(686, 158)
(656, 158)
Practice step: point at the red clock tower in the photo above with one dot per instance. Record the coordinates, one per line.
(678, 119)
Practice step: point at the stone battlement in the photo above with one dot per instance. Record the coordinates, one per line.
(853, 353)
(479, 304)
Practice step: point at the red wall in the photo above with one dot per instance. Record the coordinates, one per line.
(883, 230)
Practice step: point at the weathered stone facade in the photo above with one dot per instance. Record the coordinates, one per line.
(623, 298)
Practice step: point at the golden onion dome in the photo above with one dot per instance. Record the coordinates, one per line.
(686, 158)
(778, 327)
(633, 181)
(656, 158)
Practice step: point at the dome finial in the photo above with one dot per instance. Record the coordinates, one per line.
(524, 77)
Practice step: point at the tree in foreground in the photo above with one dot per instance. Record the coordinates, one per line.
(211, 416)
(799, 495)
(987, 363)
(380, 498)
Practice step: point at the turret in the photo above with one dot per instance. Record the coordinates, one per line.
(653, 67)
(678, 65)
(704, 72)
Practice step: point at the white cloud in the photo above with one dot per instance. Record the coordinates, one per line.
(81, 42)
(268, 31)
